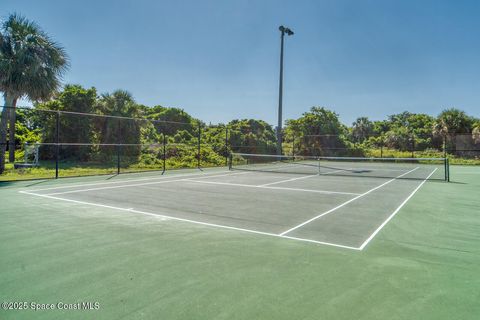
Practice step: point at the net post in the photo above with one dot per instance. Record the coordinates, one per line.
(447, 169)
(199, 144)
(318, 159)
(164, 152)
(57, 141)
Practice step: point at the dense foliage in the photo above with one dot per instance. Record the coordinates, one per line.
(96, 131)
(99, 121)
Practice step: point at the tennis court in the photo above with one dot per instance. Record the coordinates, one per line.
(104, 239)
(343, 203)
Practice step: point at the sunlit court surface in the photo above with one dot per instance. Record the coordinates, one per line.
(240, 235)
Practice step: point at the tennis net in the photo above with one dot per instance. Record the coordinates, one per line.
(401, 168)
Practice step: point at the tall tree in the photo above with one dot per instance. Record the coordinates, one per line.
(121, 128)
(452, 122)
(362, 128)
(251, 136)
(318, 132)
(31, 66)
(410, 130)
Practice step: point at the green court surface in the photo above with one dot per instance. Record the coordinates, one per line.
(219, 244)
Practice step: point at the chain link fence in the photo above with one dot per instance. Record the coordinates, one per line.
(52, 144)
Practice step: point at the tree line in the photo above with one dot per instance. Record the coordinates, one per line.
(115, 118)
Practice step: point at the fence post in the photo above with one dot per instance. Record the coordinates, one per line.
(293, 145)
(11, 138)
(118, 159)
(199, 144)
(226, 146)
(445, 146)
(118, 135)
(57, 142)
(413, 145)
(164, 152)
(381, 147)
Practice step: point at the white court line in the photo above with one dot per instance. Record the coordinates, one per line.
(274, 188)
(163, 216)
(395, 212)
(287, 180)
(304, 177)
(138, 184)
(345, 203)
(75, 185)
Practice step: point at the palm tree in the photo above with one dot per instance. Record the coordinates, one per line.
(31, 66)
(451, 122)
(361, 129)
(120, 103)
(123, 128)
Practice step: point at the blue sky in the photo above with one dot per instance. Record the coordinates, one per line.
(219, 60)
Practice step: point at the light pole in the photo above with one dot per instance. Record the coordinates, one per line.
(289, 32)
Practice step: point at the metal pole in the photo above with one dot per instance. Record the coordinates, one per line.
(280, 97)
(11, 147)
(57, 142)
(199, 144)
(413, 145)
(445, 146)
(226, 145)
(118, 159)
(448, 170)
(164, 153)
(289, 32)
(230, 161)
(445, 168)
(118, 134)
(293, 145)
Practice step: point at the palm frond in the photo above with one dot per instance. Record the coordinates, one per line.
(31, 63)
